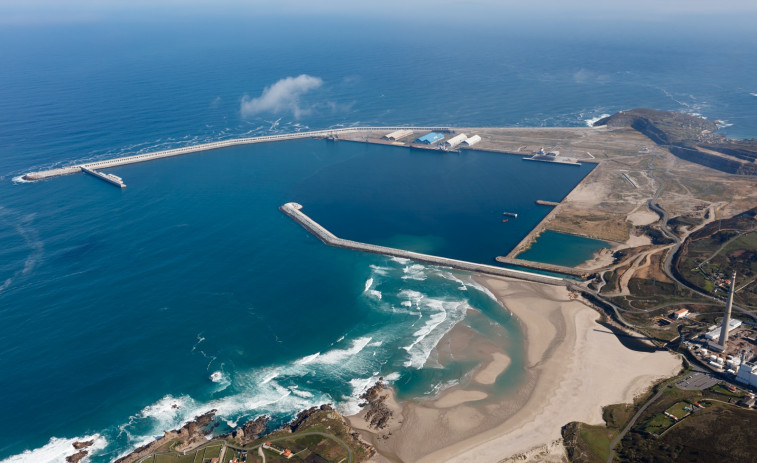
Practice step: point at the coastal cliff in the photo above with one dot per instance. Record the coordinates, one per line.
(692, 138)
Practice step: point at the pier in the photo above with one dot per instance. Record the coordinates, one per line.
(576, 272)
(109, 178)
(294, 211)
(543, 202)
(122, 161)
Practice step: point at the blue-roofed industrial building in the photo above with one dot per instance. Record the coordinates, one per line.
(429, 138)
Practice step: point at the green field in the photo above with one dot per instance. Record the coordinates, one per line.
(711, 258)
(680, 409)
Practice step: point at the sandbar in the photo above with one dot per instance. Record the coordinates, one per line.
(489, 373)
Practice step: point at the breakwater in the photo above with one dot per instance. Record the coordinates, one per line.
(581, 273)
(294, 210)
(120, 161)
(543, 202)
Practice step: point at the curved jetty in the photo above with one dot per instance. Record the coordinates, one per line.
(97, 165)
(294, 211)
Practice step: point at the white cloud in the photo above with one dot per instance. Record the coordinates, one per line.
(283, 96)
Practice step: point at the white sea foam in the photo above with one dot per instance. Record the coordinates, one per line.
(303, 394)
(414, 272)
(451, 277)
(308, 359)
(406, 303)
(400, 260)
(590, 122)
(217, 376)
(167, 409)
(392, 377)
(368, 284)
(376, 344)
(21, 179)
(724, 124)
(57, 449)
(444, 316)
(484, 290)
(382, 271)
(376, 294)
(340, 355)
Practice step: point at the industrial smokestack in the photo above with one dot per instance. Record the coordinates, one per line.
(727, 318)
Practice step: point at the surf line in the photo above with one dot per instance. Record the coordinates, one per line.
(294, 210)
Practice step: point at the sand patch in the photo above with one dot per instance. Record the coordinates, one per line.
(489, 373)
(643, 217)
(458, 397)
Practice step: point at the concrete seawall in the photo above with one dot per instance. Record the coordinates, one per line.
(294, 211)
(211, 146)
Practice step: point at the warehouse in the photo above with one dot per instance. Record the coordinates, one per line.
(430, 138)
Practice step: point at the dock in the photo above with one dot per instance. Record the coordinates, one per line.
(122, 161)
(108, 178)
(543, 202)
(294, 210)
(576, 272)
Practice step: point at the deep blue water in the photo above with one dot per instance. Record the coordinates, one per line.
(117, 305)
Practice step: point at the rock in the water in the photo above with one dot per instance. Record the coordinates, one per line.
(75, 458)
(83, 444)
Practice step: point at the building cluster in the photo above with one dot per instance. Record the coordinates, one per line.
(433, 138)
(728, 347)
(286, 453)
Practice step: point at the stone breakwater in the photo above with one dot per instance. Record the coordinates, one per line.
(211, 146)
(294, 210)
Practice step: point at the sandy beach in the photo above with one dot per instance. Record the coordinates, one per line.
(574, 367)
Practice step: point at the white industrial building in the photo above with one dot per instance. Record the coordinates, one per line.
(747, 374)
(398, 134)
(714, 332)
(456, 140)
(472, 140)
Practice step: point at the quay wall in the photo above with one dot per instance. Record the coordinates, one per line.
(294, 211)
(211, 146)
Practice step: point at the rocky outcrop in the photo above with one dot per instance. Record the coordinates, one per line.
(83, 444)
(77, 457)
(378, 413)
(250, 431)
(303, 416)
(190, 435)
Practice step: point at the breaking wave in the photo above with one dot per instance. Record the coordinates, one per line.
(57, 449)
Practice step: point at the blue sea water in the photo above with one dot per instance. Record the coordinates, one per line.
(125, 313)
(562, 249)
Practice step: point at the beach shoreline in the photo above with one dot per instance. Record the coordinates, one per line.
(571, 373)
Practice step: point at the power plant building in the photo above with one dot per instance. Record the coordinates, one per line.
(715, 332)
(430, 138)
(456, 140)
(747, 374)
(472, 140)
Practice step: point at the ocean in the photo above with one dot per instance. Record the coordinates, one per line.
(126, 313)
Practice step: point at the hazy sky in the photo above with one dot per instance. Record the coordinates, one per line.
(57, 11)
